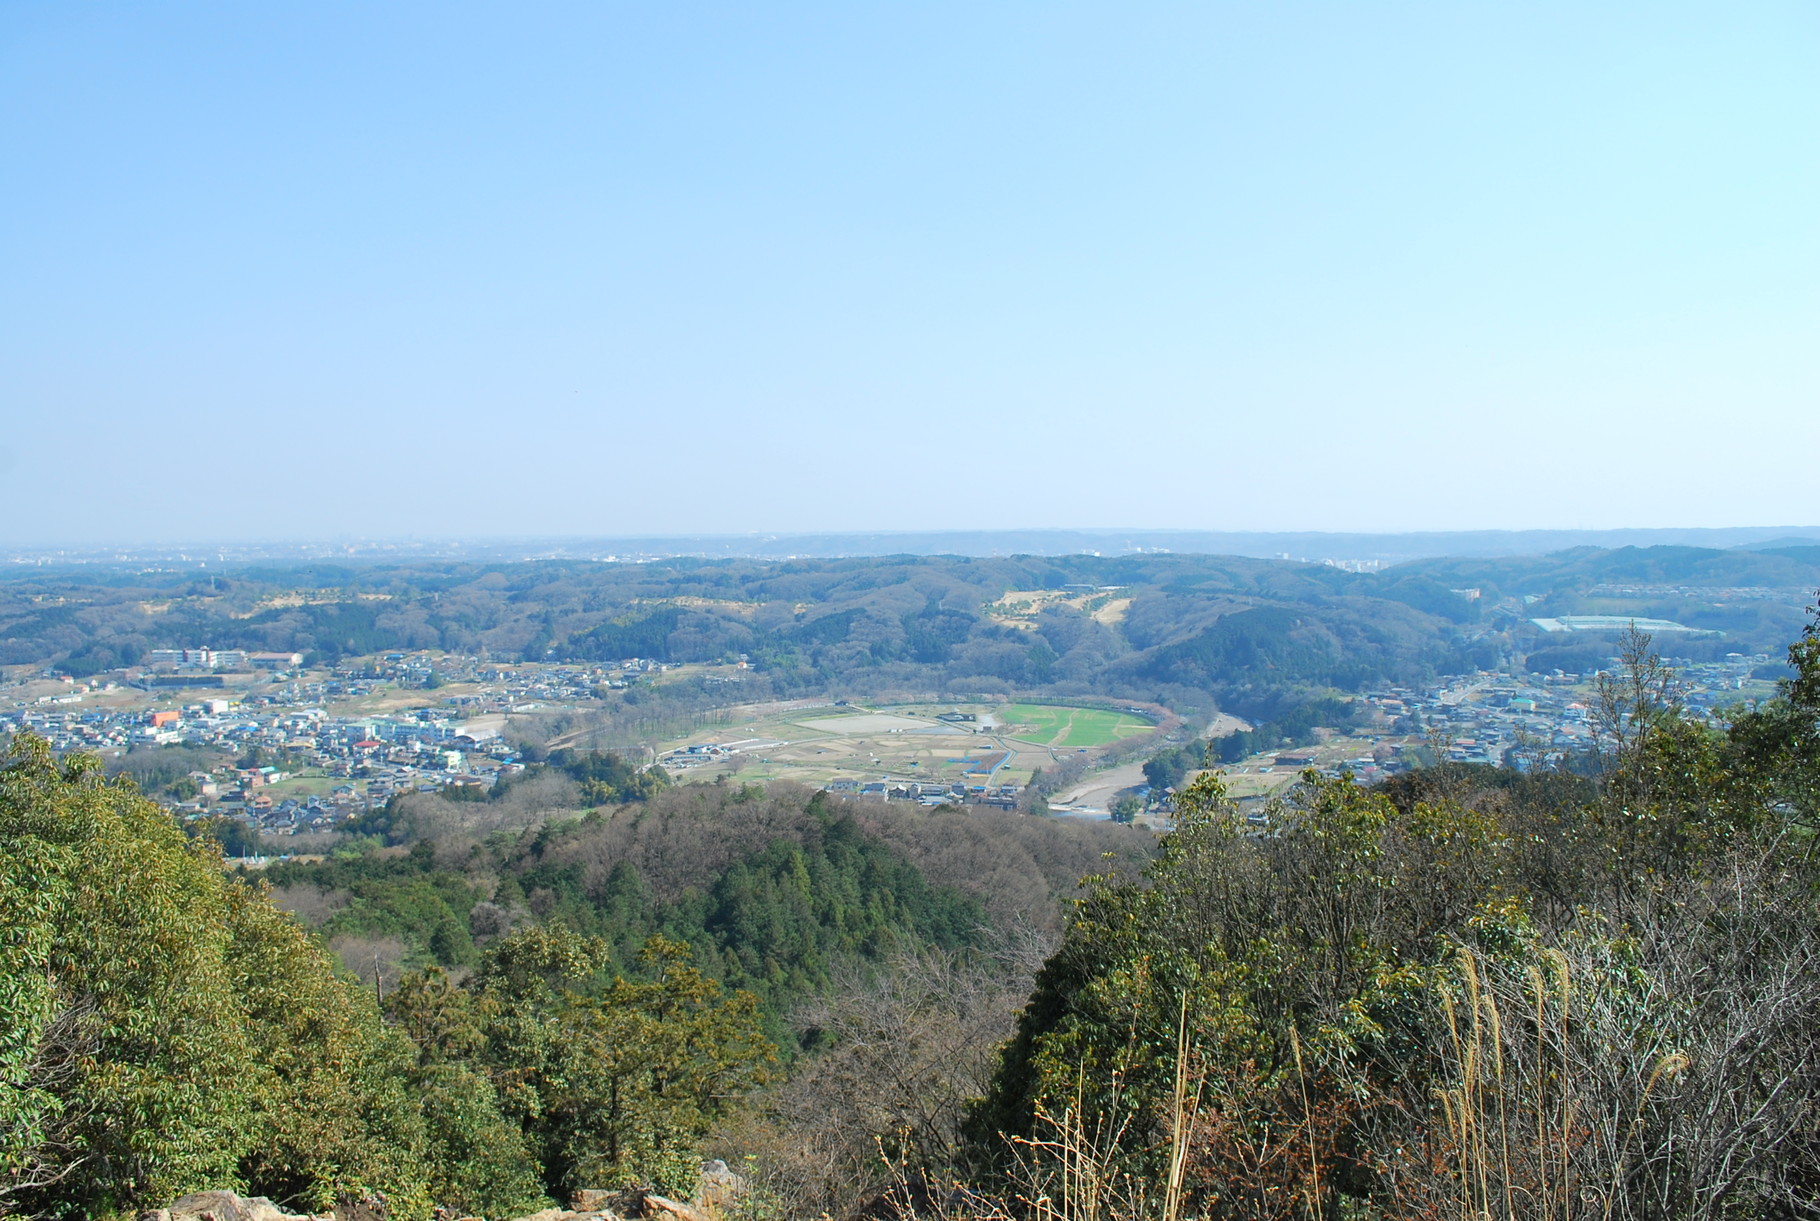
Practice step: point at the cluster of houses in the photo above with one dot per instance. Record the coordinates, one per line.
(376, 757)
(1004, 796)
(454, 743)
(1520, 720)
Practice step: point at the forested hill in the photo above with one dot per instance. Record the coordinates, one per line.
(1184, 630)
(771, 888)
(168, 1028)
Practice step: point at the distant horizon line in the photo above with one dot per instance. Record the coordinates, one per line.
(591, 536)
(981, 542)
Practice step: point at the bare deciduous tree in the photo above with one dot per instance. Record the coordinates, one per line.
(899, 1051)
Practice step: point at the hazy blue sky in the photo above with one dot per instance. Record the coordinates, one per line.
(286, 269)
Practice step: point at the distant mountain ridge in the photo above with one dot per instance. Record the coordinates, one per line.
(1314, 546)
(1249, 636)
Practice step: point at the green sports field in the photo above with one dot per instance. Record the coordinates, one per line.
(1072, 728)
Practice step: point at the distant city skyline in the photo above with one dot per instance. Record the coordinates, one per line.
(460, 271)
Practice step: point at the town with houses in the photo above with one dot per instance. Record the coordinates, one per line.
(370, 757)
(371, 729)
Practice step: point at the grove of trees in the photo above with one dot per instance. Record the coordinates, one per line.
(167, 1028)
(1465, 993)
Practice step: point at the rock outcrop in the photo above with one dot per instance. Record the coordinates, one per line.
(593, 1205)
(719, 1188)
(226, 1206)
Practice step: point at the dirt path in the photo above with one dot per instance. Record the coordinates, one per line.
(1096, 792)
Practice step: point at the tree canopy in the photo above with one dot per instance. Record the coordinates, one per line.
(167, 1029)
(1547, 996)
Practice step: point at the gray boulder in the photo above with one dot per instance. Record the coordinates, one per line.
(720, 1187)
(219, 1206)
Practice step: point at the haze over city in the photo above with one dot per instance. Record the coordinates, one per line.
(455, 270)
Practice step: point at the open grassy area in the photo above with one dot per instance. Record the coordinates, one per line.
(1003, 745)
(1070, 728)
